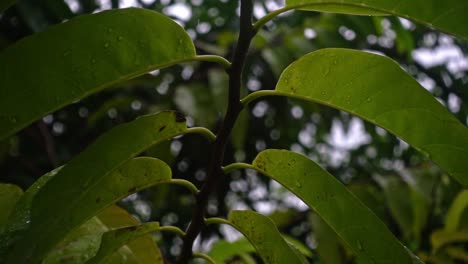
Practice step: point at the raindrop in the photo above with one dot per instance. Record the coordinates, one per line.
(93, 61)
(120, 38)
(369, 100)
(298, 184)
(106, 45)
(66, 53)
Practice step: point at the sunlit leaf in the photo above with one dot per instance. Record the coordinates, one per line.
(84, 242)
(72, 60)
(265, 237)
(361, 229)
(9, 196)
(377, 89)
(88, 193)
(449, 16)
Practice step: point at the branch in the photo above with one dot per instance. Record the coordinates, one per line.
(215, 169)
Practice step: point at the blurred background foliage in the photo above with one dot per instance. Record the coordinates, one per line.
(423, 207)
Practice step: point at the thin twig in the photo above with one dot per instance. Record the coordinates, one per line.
(215, 169)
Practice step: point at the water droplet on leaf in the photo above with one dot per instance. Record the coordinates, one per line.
(298, 184)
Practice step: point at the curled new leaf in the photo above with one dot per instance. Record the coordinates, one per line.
(72, 60)
(449, 16)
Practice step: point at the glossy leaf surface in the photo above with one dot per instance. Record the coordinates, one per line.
(111, 241)
(361, 229)
(375, 88)
(90, 197)
(9, 196)
(265, 237)
(72, 60)
(449, 16)
(84, 242)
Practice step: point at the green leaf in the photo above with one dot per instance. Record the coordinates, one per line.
(113, 240)
(409, 204)
(80, 57)
(375, 88)
(5, 4)
(361, 229)
(84, 242)
(9, 196)
(90, 189)
(20, 219)
(457, 215)
(303, 249)
(329, 247)
(441, 238)
(449, 16)
(223, 250)
(398, 197)
(265, 237)
(144, 248)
